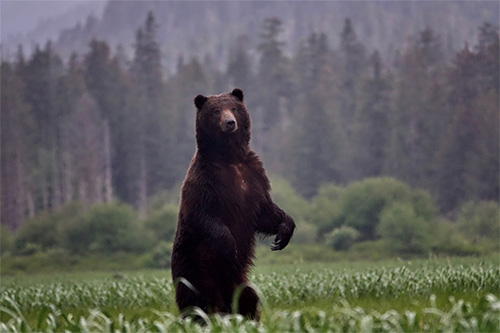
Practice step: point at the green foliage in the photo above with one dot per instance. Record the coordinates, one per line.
(407, 232)
(480, 222)
(363, 201)
(6, 240)
(161, 255)
(296, 206)
(446, 239)
(342, 238)
(324, 210)
(162, 223)
(104, 228)
(38, 233)
(287, 198)
(431, 295)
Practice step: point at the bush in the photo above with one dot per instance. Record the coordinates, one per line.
(42, 232)
(407, 232)
(325, 210)
(363, 201)
(342, 238)
(162, 223)
(161, 255)
(297, 207)
(479, 220)
(305, 233)
(288, 199)
(447, 240)
(39, 233)
(6, 240)
(479, 223)
(105, 228)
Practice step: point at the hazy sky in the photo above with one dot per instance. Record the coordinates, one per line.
(21, 16)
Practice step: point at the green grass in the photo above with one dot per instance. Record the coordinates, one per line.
(392, 295)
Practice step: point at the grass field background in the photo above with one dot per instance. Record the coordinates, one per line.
(393, 295)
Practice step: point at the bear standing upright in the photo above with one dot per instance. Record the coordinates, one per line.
(225, 201)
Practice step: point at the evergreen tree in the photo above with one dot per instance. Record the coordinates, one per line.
(189, 81)
(110, 87)
(70, 88)
(42, 72)
(351, 67)
(419, 115)
(239, 69)
(15, 125)
(151, 147)
(468, 162)
(315, 146)
(274, 89)
(371, 135)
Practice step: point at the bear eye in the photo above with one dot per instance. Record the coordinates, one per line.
(233, 109)
(217, 112)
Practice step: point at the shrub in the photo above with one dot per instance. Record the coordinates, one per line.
(479, 223)
(305, 233)
(297, 207)
(325, 210)
(288, 199)
(406, 231)
(42, 232)
(342, 238)
(104, 228)
(446, 239)
(6, 240)
(161, 255)
(363, 201)
(39, 233)
(162, 223)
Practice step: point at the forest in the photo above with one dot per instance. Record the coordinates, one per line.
(344, 131)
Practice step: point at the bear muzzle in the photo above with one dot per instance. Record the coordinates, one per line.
(228, 122)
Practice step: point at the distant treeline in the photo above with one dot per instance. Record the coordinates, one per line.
(100, 127)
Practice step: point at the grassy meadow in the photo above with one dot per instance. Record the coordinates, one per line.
(460, 294)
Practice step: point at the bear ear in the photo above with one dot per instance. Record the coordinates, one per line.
(238, 93)
(199, 101)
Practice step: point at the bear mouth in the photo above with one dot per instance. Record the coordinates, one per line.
(229, 126)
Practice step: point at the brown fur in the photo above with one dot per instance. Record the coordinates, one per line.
(225, 201)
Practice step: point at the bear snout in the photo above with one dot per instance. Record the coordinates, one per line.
(228, 123)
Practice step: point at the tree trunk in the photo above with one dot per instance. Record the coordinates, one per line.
(142, 199)
(56, 182)
(67, 174)
(108, 188)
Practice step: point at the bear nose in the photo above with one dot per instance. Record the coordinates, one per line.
(230, 124)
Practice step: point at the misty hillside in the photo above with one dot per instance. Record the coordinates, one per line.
(205, 28)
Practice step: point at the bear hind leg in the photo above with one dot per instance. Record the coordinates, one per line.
(248, 303)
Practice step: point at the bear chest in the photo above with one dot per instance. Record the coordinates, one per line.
(239, 185)
(239, 177)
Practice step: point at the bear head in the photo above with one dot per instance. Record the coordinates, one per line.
(222, 124)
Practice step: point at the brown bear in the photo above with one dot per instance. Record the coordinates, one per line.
(225, 201)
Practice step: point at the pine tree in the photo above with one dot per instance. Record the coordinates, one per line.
(42, 72)
(315, 145)
(371, 135)
(353, 64)
(239, 69)
(274, 92)
(418, 116)
(15, 123)
(112, 90)
(151, 138)
(70, 88)
(468, 161)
